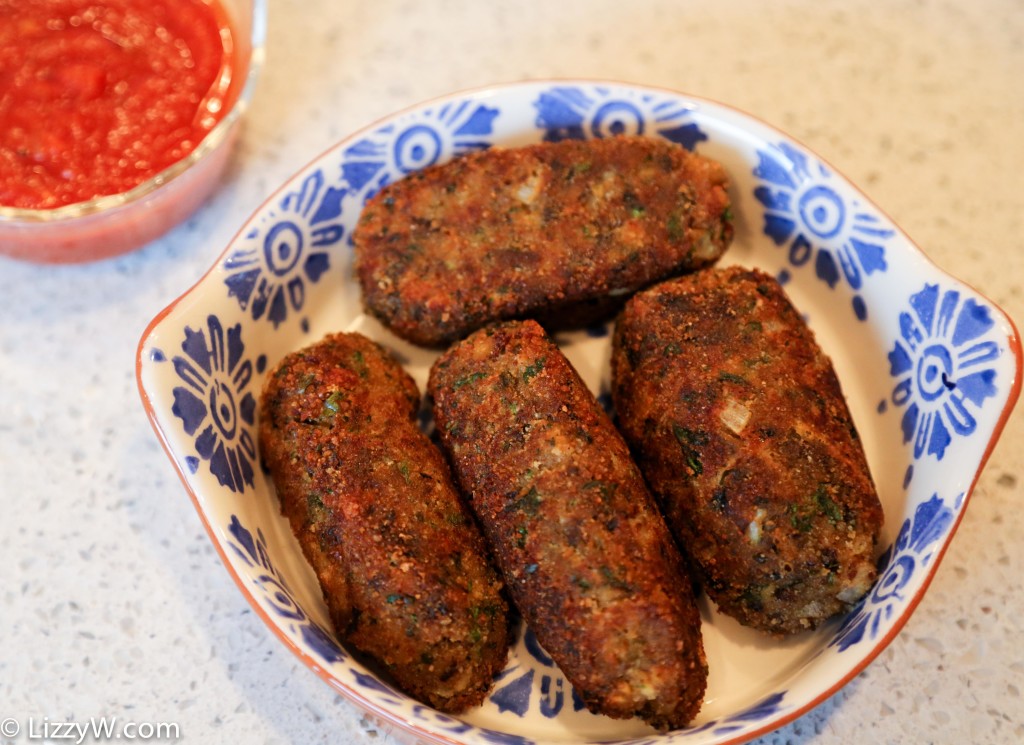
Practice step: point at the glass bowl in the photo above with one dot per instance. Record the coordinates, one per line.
(114, 224)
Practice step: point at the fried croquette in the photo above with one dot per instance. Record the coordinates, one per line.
(550, 231)
(403, 568)
(584, 551)
(739, 424)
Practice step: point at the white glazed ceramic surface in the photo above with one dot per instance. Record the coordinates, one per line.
(930, 368)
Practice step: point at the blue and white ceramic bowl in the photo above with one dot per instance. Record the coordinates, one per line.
(931, 370)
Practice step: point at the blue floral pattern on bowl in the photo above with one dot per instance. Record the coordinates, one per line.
(574, 112)
(943, 361)
(807, 213)
(277, 596)
(270, 270)
(215, 402)
(417, 141)
(901, 565)
(514, 686)
(944, 367)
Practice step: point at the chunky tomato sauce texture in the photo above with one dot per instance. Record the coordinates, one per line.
(97, 96)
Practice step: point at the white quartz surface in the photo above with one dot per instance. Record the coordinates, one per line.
(114, 602)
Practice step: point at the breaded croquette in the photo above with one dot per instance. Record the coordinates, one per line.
(738, 422)
(546, 231)
(403, 568)
(585, 554)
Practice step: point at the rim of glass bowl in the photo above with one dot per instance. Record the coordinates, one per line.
(211, 142)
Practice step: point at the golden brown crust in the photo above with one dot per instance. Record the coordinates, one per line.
(740, 426)
(538, 231)
(585, 553)
(403, 567)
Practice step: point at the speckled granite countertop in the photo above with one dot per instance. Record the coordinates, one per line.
(115, 603)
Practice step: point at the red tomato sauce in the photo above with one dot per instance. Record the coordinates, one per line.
(97, 96)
